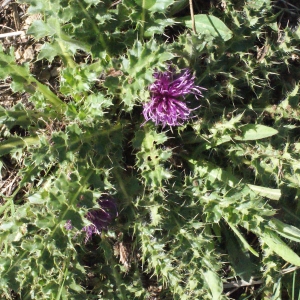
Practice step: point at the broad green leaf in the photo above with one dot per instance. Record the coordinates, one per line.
(178, 6)
(36, 199)
(161, 5)
(19, 115)
(285, 230)
(69, 44)
(273, 194)
(32, 246)
(279, 247)
(242, 239)
(75, 218)
(154, 5)
(48, 51)
(238, 257)
(145, 4)
(208, 25)
(40, 29)
(8, 225)
(92, 2)
(214, 283)
(76, 287)
(252, 132)
(46, 222)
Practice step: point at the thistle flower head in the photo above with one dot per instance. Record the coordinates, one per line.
(68, 225)
(167, 91)
(100, 218)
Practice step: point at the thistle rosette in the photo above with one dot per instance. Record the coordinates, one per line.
(167, 91)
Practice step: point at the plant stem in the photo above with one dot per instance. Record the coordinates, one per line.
(116, 272)
(99, 34)
(192, 16)
(143, 20)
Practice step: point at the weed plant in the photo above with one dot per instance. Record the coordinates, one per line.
(108, 206)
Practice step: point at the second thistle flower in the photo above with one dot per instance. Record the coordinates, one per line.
(167, 92)
(101, 217)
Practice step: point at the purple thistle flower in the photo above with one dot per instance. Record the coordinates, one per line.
(68, 225)
(100, 218)
(165, 106)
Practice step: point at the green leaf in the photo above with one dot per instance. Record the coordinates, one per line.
(14, 143)
(155, 215)
(49, 51)
(40, 29)
(242, 239)
(158, 27)
(18, 115)
(160, 5)
(214, 283)
(46, 222)
(257, 4)
(292, 98)
(25, 81)
(238, 257)
(143, 56)
(270, 238)
(139, 64)
(32, 246)
(252, 132)
(154, 5)
(36, 199)
(285, 230)
(75, 218)
(71, 44)
(273, 194)
(178, 6)
(208, 25)
(213, 172)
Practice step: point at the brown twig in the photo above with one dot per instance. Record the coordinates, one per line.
(4, 3)
(192, 16)
(9, 34)
(240, 283)
(115, 3)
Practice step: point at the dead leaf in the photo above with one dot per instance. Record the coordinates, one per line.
(28, 54)
(123, 251)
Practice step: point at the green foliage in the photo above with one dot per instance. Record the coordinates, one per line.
(209, 26)
(199, 204)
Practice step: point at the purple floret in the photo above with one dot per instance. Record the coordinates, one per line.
(165, 106)
(100, 218)
(68, 225)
